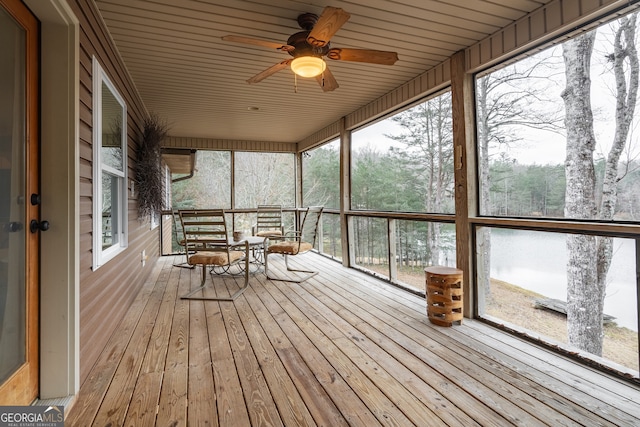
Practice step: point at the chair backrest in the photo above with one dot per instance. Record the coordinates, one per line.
(269, 218)
(309, 226)
(204, 229)
(178, 236)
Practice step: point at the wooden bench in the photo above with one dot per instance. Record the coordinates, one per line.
(559, 306)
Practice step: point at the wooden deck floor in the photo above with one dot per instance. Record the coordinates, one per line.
(339, 349)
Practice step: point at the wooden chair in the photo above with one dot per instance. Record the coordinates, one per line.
(296, 243)
(207, 244)
(268, 222)
(179, 239)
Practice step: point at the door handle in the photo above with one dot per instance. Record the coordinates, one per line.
(12, 227)
(36, 225)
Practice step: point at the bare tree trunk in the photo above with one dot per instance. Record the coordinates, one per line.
(584, 310)
(590, 257)
(624, 49)
(484, 234)
(433, 242)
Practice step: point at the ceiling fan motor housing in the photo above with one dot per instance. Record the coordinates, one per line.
(303, 48)
(307, 20)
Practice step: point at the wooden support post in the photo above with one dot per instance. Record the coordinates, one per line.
(463, 110)
(345, 193)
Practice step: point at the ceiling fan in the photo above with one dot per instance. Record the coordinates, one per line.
(307, 48)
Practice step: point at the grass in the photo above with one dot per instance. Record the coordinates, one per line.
(515, 305)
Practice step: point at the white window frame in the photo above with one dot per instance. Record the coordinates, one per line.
(102, 256)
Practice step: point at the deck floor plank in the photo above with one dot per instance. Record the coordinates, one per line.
(314, 397)
(584, 386)
(482, 369)
(354, 410)
(228, 390)
(370, 359)
(258, 398)
(117, 399)
(87, 403)
(545, 368)
(144, 401)
(322, 334)
(287, 399)
(143, 408)
(202, 403)
(451, 402)
(530, 367)
(358, 312)
(172, 408)
(342, 348)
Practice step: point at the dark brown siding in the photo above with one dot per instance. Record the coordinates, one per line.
(107, 293)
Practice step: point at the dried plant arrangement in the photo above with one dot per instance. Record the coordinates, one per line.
(149, 172)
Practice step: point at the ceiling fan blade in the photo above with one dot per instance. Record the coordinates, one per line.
(326, 81)
(269, 71)
(363, 55)
(258, 42)
(328, 24)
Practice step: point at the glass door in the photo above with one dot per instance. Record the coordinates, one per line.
(19, 175)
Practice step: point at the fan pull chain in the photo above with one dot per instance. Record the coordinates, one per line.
(295, 83)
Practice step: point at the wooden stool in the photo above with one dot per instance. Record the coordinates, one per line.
(444, 295)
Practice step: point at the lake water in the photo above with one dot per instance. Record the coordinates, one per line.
(537, 261)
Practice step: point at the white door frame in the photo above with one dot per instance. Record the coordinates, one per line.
(59, 284)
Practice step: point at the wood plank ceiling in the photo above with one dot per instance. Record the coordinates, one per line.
(196, 81)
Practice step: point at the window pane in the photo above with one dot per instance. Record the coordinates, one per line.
(264, 179)
(111, 130)
(321, 176)
(210, 186)
(405, 163)
(13, 214)
(420, 244)
(110, 226)
(371, 244)
(110, 169)
(242, 222)
(331, 236)
(535, 280)
(551, 139)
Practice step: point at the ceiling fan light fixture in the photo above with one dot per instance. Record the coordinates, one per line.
(308, 66)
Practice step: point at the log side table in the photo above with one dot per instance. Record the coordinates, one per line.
(444, 295)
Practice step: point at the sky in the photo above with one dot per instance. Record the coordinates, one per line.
(539, 146)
